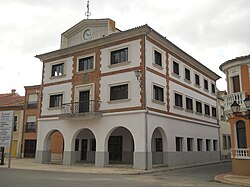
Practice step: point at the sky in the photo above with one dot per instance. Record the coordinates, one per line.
(211, 31)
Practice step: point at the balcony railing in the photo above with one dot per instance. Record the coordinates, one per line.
(81, 109)
(229, 99)
(240, 153)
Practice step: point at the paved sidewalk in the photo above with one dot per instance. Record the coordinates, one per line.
(233, 179)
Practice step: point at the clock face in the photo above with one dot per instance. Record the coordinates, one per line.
(87, 34)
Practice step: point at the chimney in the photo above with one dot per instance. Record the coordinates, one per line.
(13, 91)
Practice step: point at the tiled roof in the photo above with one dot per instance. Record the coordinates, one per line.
(235, 60)
(11, 100)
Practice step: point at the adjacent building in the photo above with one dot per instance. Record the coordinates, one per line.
(31, 114)
(225, 130)
(131, 97)
(237, 108)
(13, 101)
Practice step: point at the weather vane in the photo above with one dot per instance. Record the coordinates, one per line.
(88, 13)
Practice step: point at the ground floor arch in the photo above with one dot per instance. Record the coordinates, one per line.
(120, 146)
(159, 146)
(84, 143)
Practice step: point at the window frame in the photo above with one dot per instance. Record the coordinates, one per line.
(192, 104)
(199, 144)
(154, 93)
(118, 50)
(206, 109)
(176, 65)
(205, 81)
(178, 144)
(190, 144)
(176, 102)
(196, 108)
(86, 57)
(53, 95)
(117, 85)
(214, 111)
(197, 79)
(52, 73)
(155, 51)
(185, 74)
(213, 88)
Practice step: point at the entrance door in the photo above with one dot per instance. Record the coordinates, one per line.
(14, 149)
(84, 101)
(115, 148)
(84, 149)
(29, 148)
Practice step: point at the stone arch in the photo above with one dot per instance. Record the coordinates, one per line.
(54, 146)
(120, 145)
(84, 145)
(159, 146)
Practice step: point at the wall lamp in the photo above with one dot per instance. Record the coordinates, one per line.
(236, 108)
(138, 75)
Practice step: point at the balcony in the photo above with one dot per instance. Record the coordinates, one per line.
(81, 110)
(240, 153)
(239, 97)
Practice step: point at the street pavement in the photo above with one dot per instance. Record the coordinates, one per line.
(24, 172)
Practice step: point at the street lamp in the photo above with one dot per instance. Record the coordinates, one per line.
(236, 108)
(138, 75)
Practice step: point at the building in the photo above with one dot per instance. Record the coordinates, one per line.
(128, 97)
(225, 130)
(13, 101)
(31, 114)
(238, 87)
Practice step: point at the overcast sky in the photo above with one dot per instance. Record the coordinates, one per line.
(212, 31)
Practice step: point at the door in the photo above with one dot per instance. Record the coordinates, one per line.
(29, 148)
(236, 84)
(84, 101)
(115, 148)
(14, 149)
(84, 149)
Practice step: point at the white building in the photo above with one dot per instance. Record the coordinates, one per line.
(106, 114)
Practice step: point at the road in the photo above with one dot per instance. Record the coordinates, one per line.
(197, 176)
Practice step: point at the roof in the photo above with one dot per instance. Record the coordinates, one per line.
(11, 100)
(235, 60)
(140, 30)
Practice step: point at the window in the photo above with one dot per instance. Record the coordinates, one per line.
(32, 101)
(31, 124)
(15, 124)
(158, 58)
(241, 134)
(57, 70)
(214, 112)
(213, 88)
(197, 79)
(236, 84)
(119, 56)
(226, 142)
(178, 142)
(208, 145)
(158, 93)
(189, 103)
(189, 144)
(198, 107)
(176, 68)
(187, 74)
(205, 84)
(86, 63)
(199, 144)
(215, 144)
(56, 100)
(158, 144)
(178, 100)
(207, 109)
(119, 92)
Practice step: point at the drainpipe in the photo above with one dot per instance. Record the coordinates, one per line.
(145, 103)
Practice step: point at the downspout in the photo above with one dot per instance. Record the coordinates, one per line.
(145, 104)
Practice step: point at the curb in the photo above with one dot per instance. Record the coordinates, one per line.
(221, 179)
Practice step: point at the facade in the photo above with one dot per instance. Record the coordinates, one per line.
(31, 114)
(225, 130)
(105, 114)
(13, 101)
(238, 83)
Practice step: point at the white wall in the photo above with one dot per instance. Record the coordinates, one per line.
(67, 70)
(64, 89)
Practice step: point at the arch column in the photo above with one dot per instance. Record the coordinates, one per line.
(101, 154)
